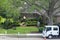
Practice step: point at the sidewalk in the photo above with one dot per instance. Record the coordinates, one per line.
(31, 34)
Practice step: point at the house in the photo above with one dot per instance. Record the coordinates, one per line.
(57, 18)
(33, 14)
(30, 15)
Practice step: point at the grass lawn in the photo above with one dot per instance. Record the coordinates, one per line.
(21, 30)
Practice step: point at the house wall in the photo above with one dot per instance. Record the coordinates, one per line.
(58, 19)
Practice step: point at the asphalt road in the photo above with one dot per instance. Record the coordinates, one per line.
(23, 38)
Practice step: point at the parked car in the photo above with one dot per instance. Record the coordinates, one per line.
(51, 31)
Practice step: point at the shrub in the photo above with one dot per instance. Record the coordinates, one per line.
(31, 19)
(41, 29)
(31, 23)
(7, 24)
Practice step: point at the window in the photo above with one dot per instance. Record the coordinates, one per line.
(48, 28)
(55, 28)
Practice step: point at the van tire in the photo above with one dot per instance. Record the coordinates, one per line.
(50, 36)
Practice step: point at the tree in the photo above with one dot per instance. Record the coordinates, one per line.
(10, 8)
(48, 7)
(2, 12)
(13, 8)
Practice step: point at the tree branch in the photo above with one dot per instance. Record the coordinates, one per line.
(56, 13)
(40, 13)
(30, 4)
(45, 14)
(40, 6)
(56, 7)
(35, 5)
(55, 1)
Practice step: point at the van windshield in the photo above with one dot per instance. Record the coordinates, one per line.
(48, 28)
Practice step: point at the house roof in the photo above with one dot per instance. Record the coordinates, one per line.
(57, 14)
(35, 11)
(30, 15)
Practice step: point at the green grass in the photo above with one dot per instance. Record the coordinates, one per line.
(21, 30)
(2, 31)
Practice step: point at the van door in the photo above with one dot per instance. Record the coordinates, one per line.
(48, 31)
(55, 31)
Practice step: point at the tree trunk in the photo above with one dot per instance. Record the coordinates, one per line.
(50, 12)
(50, 20)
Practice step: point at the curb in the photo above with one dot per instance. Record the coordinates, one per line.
(21, 34)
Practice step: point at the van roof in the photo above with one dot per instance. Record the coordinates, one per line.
(51, 26)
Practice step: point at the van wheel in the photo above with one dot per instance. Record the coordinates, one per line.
(50, 36)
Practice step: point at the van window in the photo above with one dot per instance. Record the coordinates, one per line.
(48, 28)
(55, 28)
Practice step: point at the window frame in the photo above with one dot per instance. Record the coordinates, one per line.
(55, 29)
(48, 29)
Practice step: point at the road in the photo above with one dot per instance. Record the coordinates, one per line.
(23, 38)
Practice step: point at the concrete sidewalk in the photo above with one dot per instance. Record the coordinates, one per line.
(34, 36)
(31, 34)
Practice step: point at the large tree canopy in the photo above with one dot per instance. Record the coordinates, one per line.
(48, 7)
(10, 8)
(13, 8)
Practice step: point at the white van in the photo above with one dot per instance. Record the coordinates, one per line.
(50, 31)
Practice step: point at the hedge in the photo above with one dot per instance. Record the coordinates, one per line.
(41, 29)
(31, 23)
